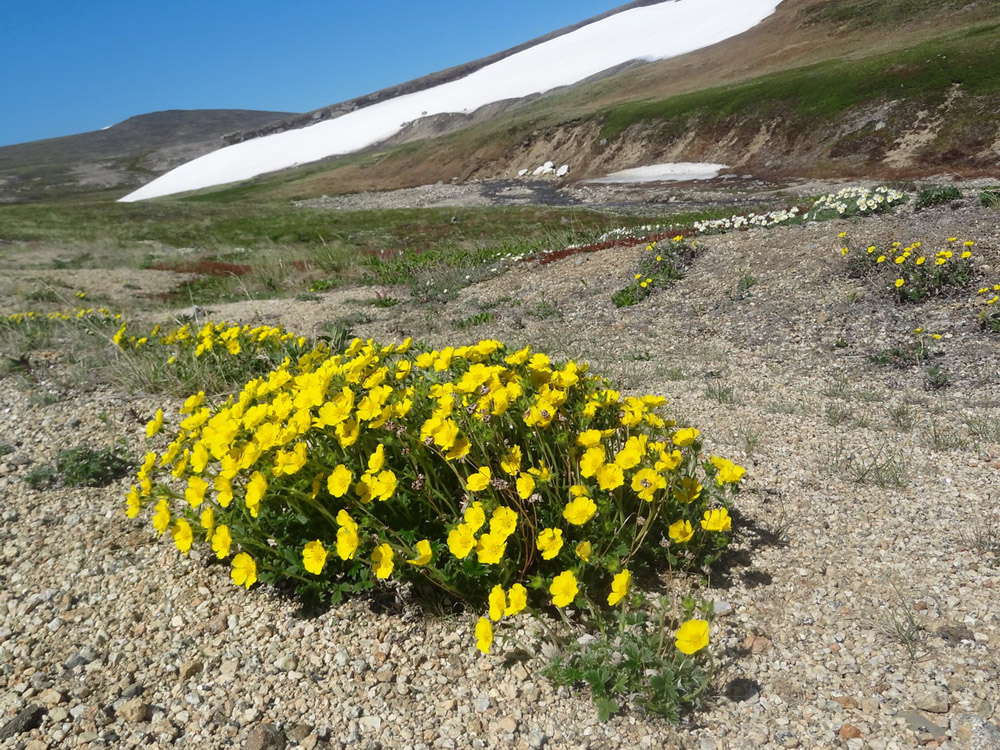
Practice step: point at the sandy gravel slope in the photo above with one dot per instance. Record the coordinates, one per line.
(865, 613)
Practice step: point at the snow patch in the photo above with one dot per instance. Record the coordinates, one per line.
(647, 33)
(676, 172)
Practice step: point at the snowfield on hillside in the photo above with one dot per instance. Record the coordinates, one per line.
(671, 172)
(649, 33)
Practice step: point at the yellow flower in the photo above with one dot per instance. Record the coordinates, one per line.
(484, 635)
(193, 402)
(475, 516)
(692, 636)
(461, 540)
(376, 460)
(223, 491)
(480, 480)
(208, 521)
(646, 483)
(503, 522)
(289, 462)
(631, 454)
(619, 587)
(517, 599)
(680, 531)
(347, 536)
(580, 510)
(584, 550)
(589, 439)
(549, 543)
(382, 561)
(424, 553)
(689, 490)
(384, 485)
(155, 424)
(181, 533)
(221, 542)
(244, 571)
(564, 589)
(610, 476)
(717, 520)
(133, 503)
(314, 557)
(899, 283)
(498, 602)
(592, 460)
(339, 481)
(525, 485)
(195, 491)
(491, 548)
(685, 436)
(729, 473)
(161, 516)
(511, 463)
(256, 488)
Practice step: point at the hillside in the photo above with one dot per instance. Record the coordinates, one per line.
(122, 156)
(821, 87)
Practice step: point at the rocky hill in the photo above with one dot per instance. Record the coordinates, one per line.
(124, 155)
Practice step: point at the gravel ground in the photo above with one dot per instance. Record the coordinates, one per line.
(861, 611)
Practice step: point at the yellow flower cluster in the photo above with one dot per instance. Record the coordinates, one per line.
(914, 271)
(472, 464)
(80, 313)
(210, 337)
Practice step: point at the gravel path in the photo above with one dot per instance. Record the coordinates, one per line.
(855, 615)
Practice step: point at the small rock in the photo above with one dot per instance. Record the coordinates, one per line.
(537, 738)
(190, 669)
(721, 608)
(919, 723)
(266, 737)
(507, 725)
(846, 701)
(28, 718)
(134, 711)
(482, 702)
(299, 732)
(370, 723)
(132, 691)
(51, 697)
(287, 663)
(955, 633)
(849, 732)
(933, 701)
(757, 644)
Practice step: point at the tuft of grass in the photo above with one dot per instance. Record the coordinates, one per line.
(984, 538)
(989, 197)
(899, 621)
(472, 321)
(720, 393)
(750, 436)
(936, 377)
(82, 467)
(837, 414)
(902, 417)
(937, 195)
(944, 439)
(883, 467)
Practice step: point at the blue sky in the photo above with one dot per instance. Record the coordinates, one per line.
(71, 67)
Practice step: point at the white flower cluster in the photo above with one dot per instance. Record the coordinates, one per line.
(857, 200)
(744, 221)
(631, 233)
